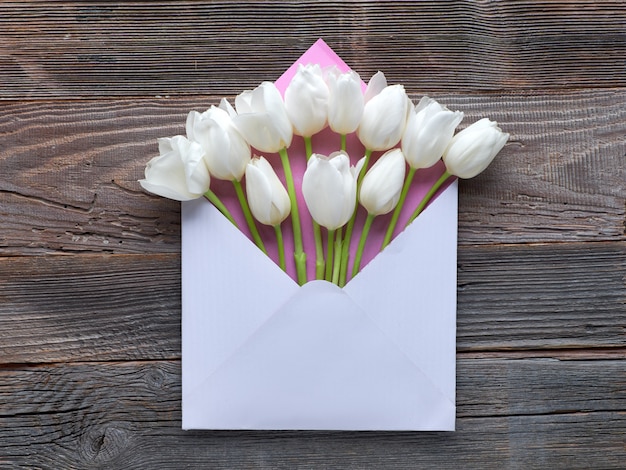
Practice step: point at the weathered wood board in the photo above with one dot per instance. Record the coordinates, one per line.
(90, 263)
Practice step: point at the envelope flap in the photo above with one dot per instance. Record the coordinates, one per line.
(409, 290)
(319, 363)
(220, 312)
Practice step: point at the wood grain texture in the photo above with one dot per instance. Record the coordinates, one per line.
(68, 308)
(98, 48)
(511, 414)
(127, 307)
(90, 264)
(70, 171)
(529, 296)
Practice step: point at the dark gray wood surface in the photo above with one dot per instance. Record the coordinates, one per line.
(90, 264)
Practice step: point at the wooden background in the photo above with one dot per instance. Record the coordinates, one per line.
(90, 264)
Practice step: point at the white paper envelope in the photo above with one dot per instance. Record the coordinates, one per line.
(261, 352)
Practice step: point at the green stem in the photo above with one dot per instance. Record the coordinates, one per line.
(329, 254)
(396, 213)
(248, 215)
(343, 265)
(281, 247)
(298, 254)
(359, 251)
(345, 253)
(428, 196)
(308, 146)
(338, 258)
(319, 251)
(343, 142)
(317, 232)
(368, 155)
(212, 197)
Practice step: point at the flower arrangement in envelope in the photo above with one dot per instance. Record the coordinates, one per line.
(319, 252)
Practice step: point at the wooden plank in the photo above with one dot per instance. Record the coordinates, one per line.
(97, 48)
(127, 307)
(66, 308)
(70, 170)
(517, 387)
(511, 414)
(541, 296)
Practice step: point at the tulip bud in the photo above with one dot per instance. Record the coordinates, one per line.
(267, 197)
(179, 172)
(473, 149)
(262, 118)
(382, 184)
(428, 132)
(384, 118)
(306, 100)
(345, 102)
(226, 151)
(329, 189)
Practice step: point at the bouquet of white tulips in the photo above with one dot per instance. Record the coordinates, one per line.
(342, 193)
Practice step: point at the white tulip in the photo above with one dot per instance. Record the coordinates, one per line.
(306, 100)
(345, 102)
(179, 172)
(382, 184)
(474, 148)
(384, 118)
(226, 151)
(267, 197)
(428, 132)
(262, 118)
(329, 189)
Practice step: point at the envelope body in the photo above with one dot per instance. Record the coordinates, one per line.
(260, 352)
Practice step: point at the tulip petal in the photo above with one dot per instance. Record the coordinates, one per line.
(329, 189)
(382, 184)
(376, 84)
(267, 197)
(226, 106)
(259, 194)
